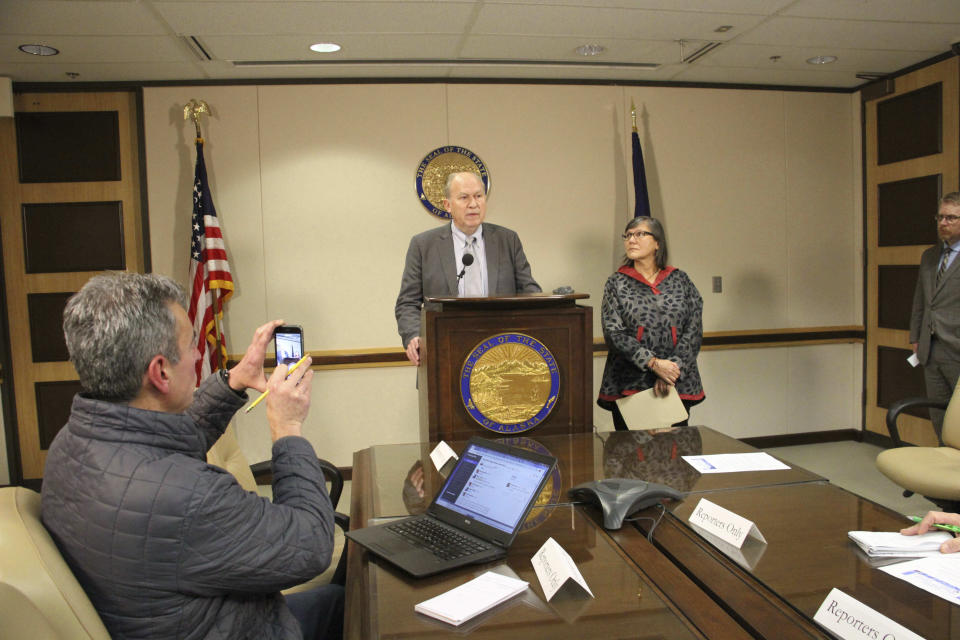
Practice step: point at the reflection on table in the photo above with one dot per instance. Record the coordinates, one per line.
(807, 554)
(628, 601)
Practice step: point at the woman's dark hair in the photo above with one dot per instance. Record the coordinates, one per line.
(653, 226)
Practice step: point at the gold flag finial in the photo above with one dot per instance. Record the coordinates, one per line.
(633, 114)
(193, 109)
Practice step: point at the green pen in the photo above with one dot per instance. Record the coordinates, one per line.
(945, 527)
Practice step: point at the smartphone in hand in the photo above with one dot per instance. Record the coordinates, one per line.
(288, 344)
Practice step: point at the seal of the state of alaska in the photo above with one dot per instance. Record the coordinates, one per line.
(509, 383)
(437, 165)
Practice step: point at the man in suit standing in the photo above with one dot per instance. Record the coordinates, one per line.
(935, 321)
(435, 258)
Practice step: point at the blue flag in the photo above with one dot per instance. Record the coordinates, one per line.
(641, 205)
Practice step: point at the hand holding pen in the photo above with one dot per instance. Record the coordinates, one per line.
(263, 395)
(937, 519)
(288, 399)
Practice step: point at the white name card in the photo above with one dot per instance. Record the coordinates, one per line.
(555, 568)
(441, 455)
(850, 619)
(724, 524)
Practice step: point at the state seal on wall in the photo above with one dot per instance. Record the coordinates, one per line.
(436, 166)
(509, 383)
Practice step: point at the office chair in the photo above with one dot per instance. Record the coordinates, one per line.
(226, 454)
(39, 596)
(933, 472)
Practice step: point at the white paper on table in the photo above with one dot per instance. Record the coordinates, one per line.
(441, 455)
(472, 598)
(892, 543)
(732, 462)
(939, 575)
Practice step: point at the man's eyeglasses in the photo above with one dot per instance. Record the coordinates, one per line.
(639, 235)
(940, 218)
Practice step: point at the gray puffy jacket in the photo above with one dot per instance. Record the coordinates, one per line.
(167, 546)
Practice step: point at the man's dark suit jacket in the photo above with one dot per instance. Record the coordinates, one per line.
(431, 270)
(936, 307)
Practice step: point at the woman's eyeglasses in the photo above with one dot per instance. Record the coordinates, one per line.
(637, 235)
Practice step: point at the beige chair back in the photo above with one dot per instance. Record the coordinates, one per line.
(38, 592)
(226, 454)
(951, 421)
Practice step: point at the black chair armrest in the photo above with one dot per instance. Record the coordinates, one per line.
(900, 406)
(263, 474)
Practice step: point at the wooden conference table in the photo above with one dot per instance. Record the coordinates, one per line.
(678, 586)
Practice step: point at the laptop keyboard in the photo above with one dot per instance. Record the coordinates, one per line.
(443, 542)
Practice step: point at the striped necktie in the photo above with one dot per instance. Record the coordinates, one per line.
(943, 263)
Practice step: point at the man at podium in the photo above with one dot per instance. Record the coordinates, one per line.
(464, 258)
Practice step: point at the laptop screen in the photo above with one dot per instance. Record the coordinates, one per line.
(493, 487)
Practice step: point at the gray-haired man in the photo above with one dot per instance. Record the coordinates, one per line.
(165, 545)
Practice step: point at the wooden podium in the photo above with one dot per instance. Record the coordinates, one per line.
(543, 338)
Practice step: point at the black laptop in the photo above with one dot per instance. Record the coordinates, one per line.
(474, 517)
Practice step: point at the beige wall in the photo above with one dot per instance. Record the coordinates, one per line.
(315, 189)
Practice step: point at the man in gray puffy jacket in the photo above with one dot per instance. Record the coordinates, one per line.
(165, 545)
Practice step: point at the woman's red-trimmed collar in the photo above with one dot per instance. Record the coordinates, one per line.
(633, 273)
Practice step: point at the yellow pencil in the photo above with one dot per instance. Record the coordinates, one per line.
(265, 393)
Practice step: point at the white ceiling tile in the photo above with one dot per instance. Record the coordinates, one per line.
(755, 7)
(320, 18)
(93, 49)
(59, 17)
(296, 47)
(617, 23)
(943, 11)
(809, 32)
(787, 77)
(562, 48)
(758, 56)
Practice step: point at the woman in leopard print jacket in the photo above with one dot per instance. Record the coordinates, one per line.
(652, 323)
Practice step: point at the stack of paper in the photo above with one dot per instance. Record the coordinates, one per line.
(471, 599)
(894, 545)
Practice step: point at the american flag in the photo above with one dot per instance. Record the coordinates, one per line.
(212, 284)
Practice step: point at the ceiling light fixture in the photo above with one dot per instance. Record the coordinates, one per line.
(325, 47)
(723, 28)
(821, 59)
(590, 49)
(38, 49)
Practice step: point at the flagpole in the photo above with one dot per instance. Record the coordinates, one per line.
(193, 109)
(633, 114)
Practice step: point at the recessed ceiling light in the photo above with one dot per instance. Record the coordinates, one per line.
(821, 59)
(325, 47)
(590, 49)
(723, 28)
(38, 49)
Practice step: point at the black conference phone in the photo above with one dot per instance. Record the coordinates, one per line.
(620, 497)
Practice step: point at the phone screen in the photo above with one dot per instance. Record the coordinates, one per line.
(288, 342)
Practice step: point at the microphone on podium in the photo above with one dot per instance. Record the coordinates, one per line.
(467, 260)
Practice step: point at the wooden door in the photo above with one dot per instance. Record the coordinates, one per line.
(69, 209)
(911, 151)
